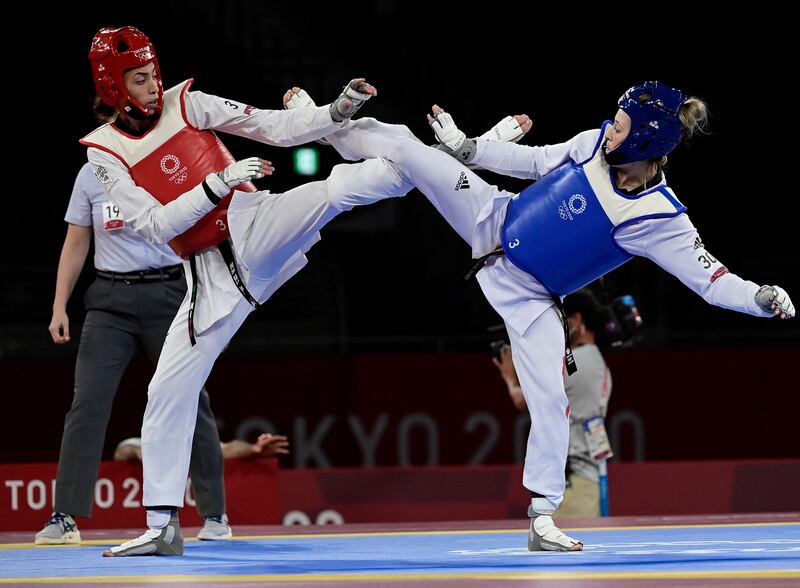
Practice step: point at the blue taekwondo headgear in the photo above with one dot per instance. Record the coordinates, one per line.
(655, 127)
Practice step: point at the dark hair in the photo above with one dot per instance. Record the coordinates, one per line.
(102, 111)
(585, 302)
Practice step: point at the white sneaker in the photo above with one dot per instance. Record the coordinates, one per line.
(59, 529)
(166, 541)
(215, 529)
(545, 536)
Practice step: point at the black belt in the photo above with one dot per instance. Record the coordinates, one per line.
(481, 261)
(230, 262)
(569, 359)
(164, 274)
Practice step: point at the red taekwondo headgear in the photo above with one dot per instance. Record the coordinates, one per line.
(115, 51)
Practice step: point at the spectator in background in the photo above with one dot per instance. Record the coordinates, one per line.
(267, 445)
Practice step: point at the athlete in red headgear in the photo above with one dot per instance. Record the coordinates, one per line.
(114, 52)
(174, 181)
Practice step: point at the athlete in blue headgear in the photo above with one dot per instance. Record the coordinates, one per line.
(598, 200)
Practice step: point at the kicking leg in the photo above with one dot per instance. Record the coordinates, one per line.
(455, 191)
(267, 231)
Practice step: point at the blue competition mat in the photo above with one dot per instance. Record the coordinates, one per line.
(698, 551)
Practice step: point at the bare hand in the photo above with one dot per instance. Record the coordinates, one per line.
(268, 445)
(506, 365)
(129, 453)
(59, 327)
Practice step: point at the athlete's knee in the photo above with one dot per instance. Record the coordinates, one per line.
(405, 150)
(334, 187)
(394, 142)
(344, 184)
(386, 129)
(362, 183)
(404, 131)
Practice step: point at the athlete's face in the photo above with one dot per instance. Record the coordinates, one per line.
(142, 84)
(617, 132)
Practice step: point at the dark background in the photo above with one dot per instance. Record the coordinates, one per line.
(389, 278)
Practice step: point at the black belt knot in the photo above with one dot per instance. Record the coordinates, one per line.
(230, 262)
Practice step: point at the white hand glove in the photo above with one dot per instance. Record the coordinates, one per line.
(299, 99)
(355, 93)
(453, 141)
(775, 299)
(507, 130)
(446, 131)
(242, 171)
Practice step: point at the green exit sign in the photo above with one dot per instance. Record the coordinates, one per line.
(306, 161)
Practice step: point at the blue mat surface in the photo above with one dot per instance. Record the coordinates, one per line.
(703, 549)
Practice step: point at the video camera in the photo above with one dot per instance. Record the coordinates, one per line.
(622, 323)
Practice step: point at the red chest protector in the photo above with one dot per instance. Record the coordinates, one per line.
(171, 158)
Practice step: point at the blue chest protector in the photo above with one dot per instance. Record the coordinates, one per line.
(561, 228)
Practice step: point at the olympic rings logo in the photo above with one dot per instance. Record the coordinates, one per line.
(170, 164)
(575, 205)
(581, 200)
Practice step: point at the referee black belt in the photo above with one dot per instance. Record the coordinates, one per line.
(164, 274)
